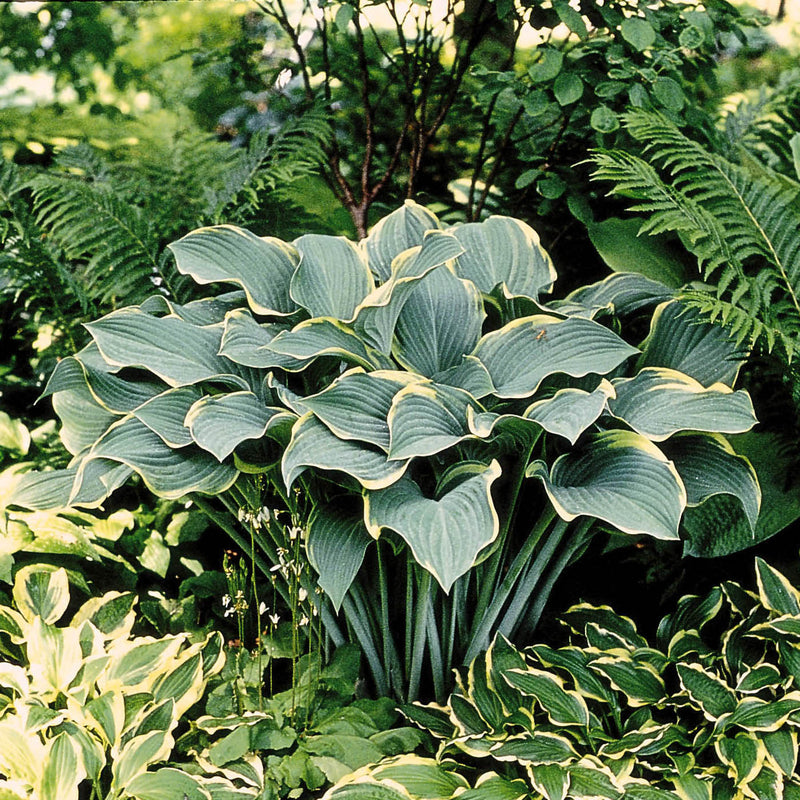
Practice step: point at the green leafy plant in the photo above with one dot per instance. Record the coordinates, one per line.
(710, 712)
(84, 706)
(395, 397)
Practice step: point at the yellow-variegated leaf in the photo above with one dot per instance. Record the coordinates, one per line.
(782, 749)
(505, 252)
(62, 771)
(640, 683)
(137, 754)
(263, 267)
(755, 714)
(659, 402)
(55, 657)
(619, 477)
(550, 780)
(775, 590)
(445, 535)
(135, 665)
(332, 277)
(743, 754)
(183, 684)
(41, 590)
(520, 355)
(537, 748)
(167, 783)
(313, 445)
(709, 691)
(562, 706)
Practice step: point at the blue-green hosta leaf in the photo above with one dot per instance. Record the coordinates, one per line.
(709, 466)
(83, 419)
(562, 706)
(625, 292)
(775, 591)
(168, 473)
(537, 747)
(680, 339)
(660, 401)
(377, 315)
(165, 414)
(524, 352)
(445, 535)
(327, 337)
(400, 230)
(176, 351)
(332, 277)
(356, 405)
(427, 418)
(336, 545)
(506, 252)
(569, 412)
(221, 422)
(263, 267)
(313, 445)
(246, 342)
(469, 375)
(96, 479)
(619, 477)
(439, 324)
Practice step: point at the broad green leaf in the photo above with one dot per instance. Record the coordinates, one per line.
(445, 535)
(426, 418)
(439, 324)
(634, 741)
(760, 677)
(659, 402)
(165, 414)
(336, 545)
(246, 342)
(525, 351)
(179, 353)
(755, 714)
(504, 252)
(377, 315)
(682, 340)
(356, 405)
(589, 779)
(569, 412)
(537, 747)
(562, 706)
(550, 780)
(576, 661)
(327, 337)
(83, 419)
(469, 375)
(366, 789)
(62, 771)
(767, 785)
(568, 87)
(690, 787)
(205, 311)
(625, 292)
(400, 230)
(422, 777)
(491, 786)
(263, 267)
(167, 783)
(332, 277)
(218, 423)
(41, 590)
(168, 473)
(619, 477)
(775, 591)
(709, 466)
(638, 32)
(709, 691)
(782, 749)
(640, 683)
(313, 445)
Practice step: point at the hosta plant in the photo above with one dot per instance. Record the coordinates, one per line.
(436, 432)
(711, 711)
(87, 710)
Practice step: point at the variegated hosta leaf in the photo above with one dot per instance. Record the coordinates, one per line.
(336, 545)
(562, 706)
(537, 747)
(709, 466)
(625, 292)
(62, 770)
(743, 754)
(569, 412)
(439, 324)
(165, 414)
(179, 353)
(682, 340)
(775, 591)
(619, 477)
(356, 405)
(332, 277)
(327, 337)
(445, 535)
(218, 423)
(83, 419)
(400, 230)
(659, 402)
(246, 342)
(550, 780)
(313, 445)
(592, 779)
(755, 714)
(469, 375)
(205, 311)
(41, 590)
(168, 473)
(427, 418)
(525, 351)
(506, 252)
(640, 683)
(166, 783)
(377, 315)
(263, 267)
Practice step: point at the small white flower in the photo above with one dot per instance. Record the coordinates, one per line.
(262, 609)
(226, 600)
(274, 618)
(303, 621)
(302, 594)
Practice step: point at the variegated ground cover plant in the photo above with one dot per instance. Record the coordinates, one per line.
(711, 712)
(443, 440)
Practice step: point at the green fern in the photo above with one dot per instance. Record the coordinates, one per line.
(743, 226)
